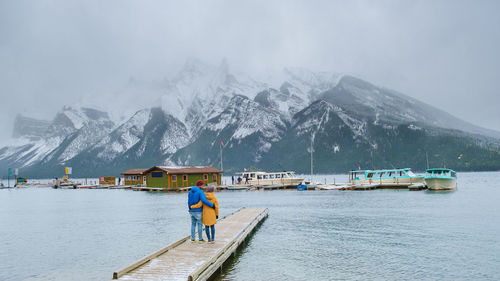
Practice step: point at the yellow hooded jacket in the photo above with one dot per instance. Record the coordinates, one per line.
(208, 214)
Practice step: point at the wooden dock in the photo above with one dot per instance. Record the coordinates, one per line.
(186, 260)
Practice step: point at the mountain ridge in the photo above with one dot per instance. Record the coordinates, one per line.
(349, 123)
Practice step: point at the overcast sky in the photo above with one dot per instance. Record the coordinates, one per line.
(445, 53)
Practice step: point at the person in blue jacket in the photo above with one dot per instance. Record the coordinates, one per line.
(194, 196)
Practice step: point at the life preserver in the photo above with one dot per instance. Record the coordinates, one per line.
(370, 180)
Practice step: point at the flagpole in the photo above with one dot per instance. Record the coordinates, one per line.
(311, 159)
(221, 166)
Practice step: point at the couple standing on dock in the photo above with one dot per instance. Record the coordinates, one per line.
(203, 208)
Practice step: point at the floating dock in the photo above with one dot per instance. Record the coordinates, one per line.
(414, 187)
(219, 187)
(186, 260)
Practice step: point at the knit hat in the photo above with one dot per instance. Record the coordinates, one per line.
(199, 183)
(210, 188)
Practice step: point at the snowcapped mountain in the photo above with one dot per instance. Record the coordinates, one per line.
(269, 124)
(68, 134)
(149, 132)
(356, 95)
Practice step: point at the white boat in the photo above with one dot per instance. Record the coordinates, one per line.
(393, 178)
(64, 183)
(441, 179)
(267, 178)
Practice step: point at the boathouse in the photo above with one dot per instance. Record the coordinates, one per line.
(107, 180)
(134, 177)
(162, 176)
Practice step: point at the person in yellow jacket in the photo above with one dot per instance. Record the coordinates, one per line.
(209, 215)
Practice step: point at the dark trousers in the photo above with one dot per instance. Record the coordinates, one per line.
(208, 229)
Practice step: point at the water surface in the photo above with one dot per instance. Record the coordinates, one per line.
(48, 234)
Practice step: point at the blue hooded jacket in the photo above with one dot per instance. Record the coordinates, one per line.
(194, 196)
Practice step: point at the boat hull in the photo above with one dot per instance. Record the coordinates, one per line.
(288, 181)
(441, 183)
(391, 182)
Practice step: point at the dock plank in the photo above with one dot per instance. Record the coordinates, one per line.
(186, 260)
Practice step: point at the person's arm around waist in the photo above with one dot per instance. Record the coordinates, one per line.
(197, 205)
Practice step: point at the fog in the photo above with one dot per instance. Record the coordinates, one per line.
(55, 53)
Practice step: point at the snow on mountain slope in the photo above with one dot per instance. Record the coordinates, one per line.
(149, 130)
(282, 101)
(312, 120)
(203, 104)
(200, 92)
(123, 137)
(307, 84)
(247, 117)
(70, 132)
(90, 133)
(174, 137)
(28, 154)
(368, 100)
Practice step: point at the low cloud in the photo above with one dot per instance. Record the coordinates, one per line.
(56, 53)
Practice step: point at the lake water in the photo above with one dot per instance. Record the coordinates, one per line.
(49, 234)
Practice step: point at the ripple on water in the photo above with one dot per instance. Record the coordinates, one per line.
(48, 234)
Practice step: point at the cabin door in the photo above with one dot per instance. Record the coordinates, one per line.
(144, 181)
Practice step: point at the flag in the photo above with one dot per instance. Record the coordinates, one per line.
(359, 167)
(245, 169)
(221, 144)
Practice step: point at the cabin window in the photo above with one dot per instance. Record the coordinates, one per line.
(259, 177)
(381, 175)
(390, 174)
(278, 176)
(128, 177)
(410, 173)
(265, 177)
(453, 174)
(252, 176)
(215, 177)
(184, 177)
(157, 175)
(174, 178)
(370, 175)
(271, 176)
(283, 175)
(205, 177)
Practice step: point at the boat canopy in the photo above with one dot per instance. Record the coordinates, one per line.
(379, 174)
(266, 175)
(440, 172)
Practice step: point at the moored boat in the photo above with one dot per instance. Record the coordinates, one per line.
(64, 183)
(441, 179)
(268, 178)
(393, 178)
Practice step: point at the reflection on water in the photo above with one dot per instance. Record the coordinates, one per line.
(48, 234)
